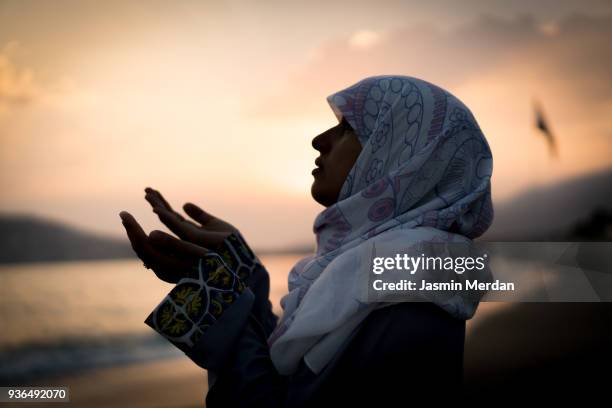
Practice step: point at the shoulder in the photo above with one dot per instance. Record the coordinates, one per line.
(405, 343)
(402, 328)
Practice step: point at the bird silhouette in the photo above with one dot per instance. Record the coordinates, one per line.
(542, 124)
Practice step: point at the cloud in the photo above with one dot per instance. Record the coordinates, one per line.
(17, 84)
(572, 53)
(364, 39)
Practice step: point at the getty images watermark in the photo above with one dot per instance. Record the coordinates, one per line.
(433, 264)
(489, 271)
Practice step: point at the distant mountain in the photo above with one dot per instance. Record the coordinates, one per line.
(27, 238)
(571, 210)
(563, 211)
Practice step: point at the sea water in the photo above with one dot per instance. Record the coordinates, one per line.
(60, 317)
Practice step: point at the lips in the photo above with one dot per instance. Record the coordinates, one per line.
(319, 168)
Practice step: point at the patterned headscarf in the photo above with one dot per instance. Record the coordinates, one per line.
(424, 163)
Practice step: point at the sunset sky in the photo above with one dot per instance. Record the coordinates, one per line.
(217, 102)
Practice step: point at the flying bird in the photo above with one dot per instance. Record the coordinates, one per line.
(542, 124)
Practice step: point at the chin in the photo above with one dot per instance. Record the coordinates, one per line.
(319, 194)
(315, 192)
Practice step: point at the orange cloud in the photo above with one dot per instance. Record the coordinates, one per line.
(17, 85)
(574, 53)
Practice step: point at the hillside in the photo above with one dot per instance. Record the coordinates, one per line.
(27, 238)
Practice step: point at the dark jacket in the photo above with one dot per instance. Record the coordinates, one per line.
(406, 352)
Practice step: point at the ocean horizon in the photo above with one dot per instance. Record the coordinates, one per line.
(62, 317)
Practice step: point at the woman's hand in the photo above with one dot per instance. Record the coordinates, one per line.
(208, 231)
(170, 258)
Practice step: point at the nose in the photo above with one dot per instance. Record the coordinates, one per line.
(321, 142)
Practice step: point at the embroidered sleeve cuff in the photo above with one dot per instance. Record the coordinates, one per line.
(203, 316)
(238, 256)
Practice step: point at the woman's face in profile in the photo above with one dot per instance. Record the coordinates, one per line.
(339, 148)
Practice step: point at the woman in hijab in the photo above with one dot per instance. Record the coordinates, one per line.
(407, 163)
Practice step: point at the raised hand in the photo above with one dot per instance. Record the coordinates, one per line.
(207, 231)
(170, 258)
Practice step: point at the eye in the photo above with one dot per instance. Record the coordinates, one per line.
(345, 125)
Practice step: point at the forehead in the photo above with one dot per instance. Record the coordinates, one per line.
(343, 128)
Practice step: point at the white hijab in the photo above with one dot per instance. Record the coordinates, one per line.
(424, 168)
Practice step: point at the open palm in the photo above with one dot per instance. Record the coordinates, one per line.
(170, 258)
(207, 231)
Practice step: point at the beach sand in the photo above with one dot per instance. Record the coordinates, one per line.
(176, 382)
(508, 347)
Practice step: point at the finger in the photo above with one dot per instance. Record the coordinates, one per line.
(143, 249)
(140, 243)
(197, 213)
(183, 229)
(172, 246)
(166, 268)
(156, 199)
(135, 233)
